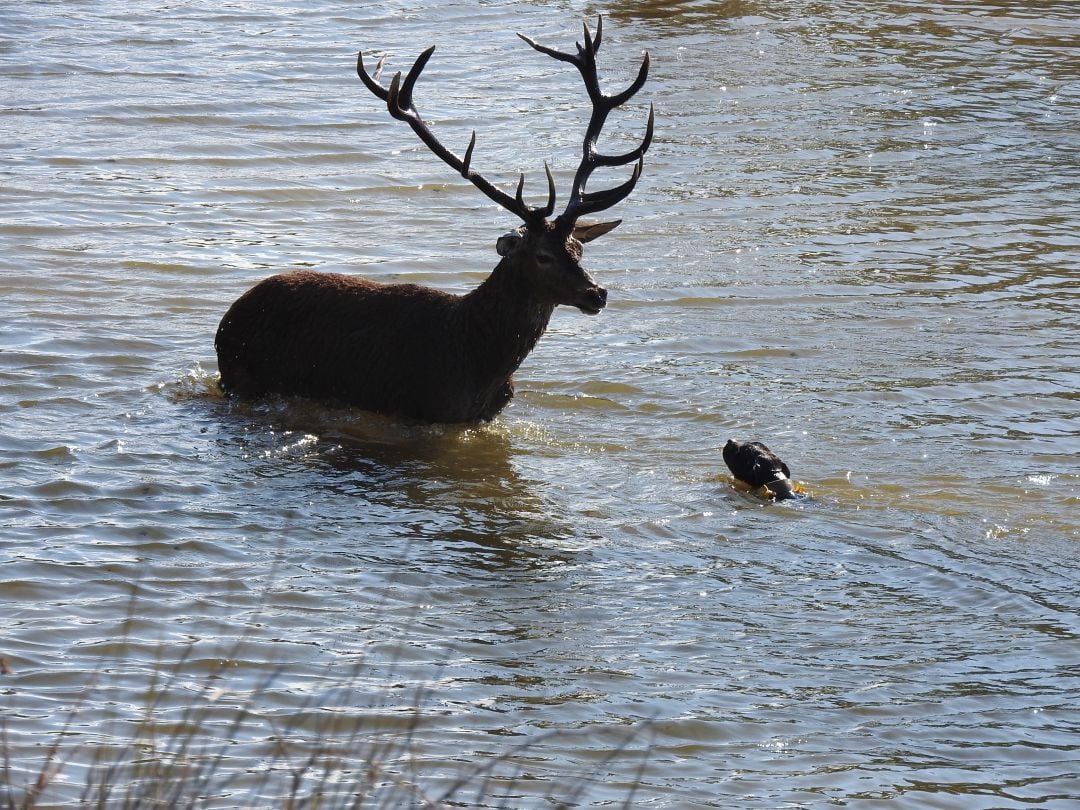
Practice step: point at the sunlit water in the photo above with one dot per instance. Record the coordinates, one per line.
(856, 239)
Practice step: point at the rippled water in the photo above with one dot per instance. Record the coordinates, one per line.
(855, 240)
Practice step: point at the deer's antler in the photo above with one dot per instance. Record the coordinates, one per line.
(398, 98)
(582, 202)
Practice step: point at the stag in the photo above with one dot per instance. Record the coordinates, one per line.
(412, 351)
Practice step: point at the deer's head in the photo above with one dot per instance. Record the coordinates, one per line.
(547, 251)
(549, 260)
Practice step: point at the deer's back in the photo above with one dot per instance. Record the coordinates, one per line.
(393, 348)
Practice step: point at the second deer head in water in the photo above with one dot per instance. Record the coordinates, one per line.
(419, 353)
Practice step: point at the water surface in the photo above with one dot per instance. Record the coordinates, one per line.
(855, 240)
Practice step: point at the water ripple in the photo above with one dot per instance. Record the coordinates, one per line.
(855, 240)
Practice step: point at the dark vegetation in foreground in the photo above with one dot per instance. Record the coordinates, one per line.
(354, 746)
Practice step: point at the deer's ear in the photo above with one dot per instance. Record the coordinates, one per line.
(587, 231)
(507, 242)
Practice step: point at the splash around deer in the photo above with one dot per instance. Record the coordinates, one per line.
(415, 352)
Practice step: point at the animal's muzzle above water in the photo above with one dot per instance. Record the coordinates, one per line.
(592, 300)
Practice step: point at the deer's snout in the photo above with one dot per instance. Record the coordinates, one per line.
(593, 299)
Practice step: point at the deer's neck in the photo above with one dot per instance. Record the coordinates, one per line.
(503, 320)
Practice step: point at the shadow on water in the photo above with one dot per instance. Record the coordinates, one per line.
(455, 486)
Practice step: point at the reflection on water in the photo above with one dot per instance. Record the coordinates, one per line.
(855, 240)
(458, 484)
(680, 16)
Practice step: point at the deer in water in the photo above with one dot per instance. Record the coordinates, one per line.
(419, 353)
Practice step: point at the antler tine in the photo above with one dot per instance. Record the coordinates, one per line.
(398, 98)
(549, 207)
(643, 73)
(544, 49)
(590, 202)
(369, 82)
(405, 99)
(635, 154)
(589, 48)
(592, 43)
(547, 210)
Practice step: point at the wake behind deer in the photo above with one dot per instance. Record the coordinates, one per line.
(412, 351)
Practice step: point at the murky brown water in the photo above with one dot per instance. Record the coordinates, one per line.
(856, 239)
